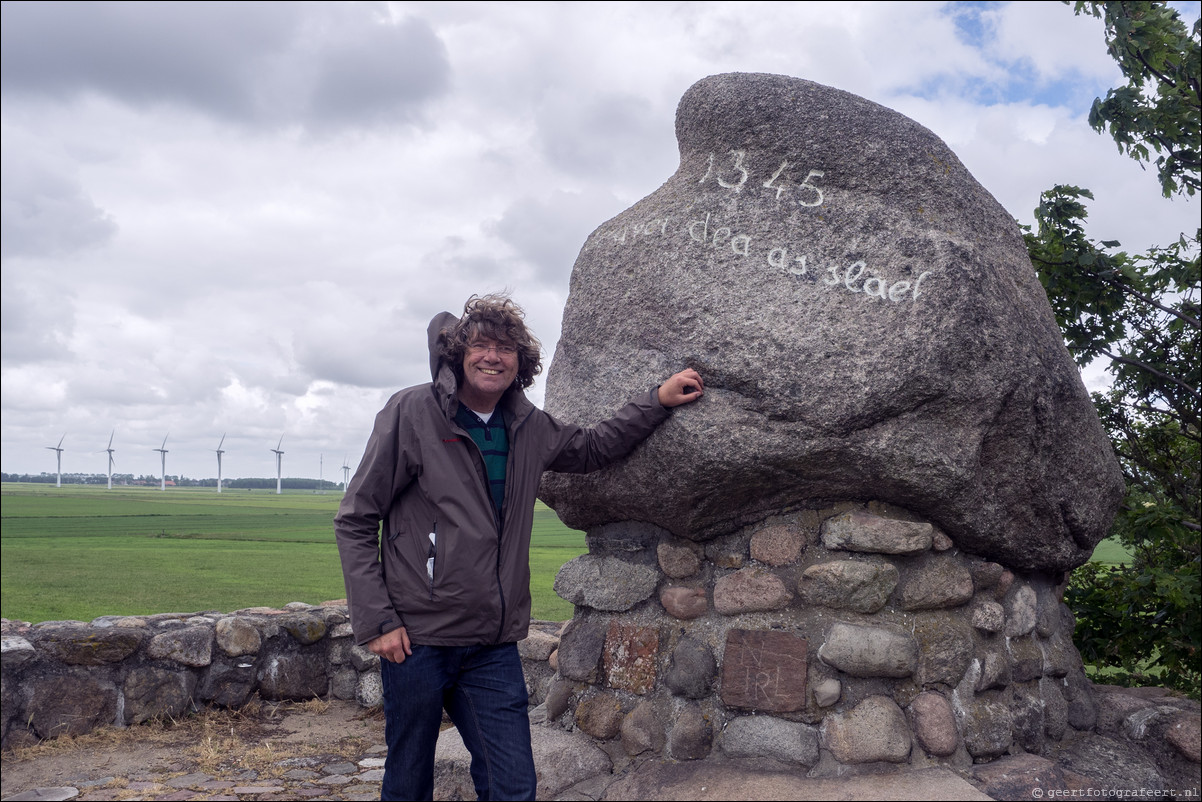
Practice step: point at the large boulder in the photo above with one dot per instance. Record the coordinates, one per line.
(867, 323)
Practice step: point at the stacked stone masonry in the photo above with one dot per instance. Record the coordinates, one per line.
(70, 677)
(842, 639)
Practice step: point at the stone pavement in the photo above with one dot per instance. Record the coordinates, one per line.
(317, 778)
(336, 752)
(313, 778)
(308, 758)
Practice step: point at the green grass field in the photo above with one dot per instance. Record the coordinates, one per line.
(1111, 551)
(81, 551)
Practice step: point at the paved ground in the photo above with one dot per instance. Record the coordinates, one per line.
(334, 751)
(705, 781)
(316, 750)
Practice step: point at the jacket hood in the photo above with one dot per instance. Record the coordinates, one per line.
(443, 320)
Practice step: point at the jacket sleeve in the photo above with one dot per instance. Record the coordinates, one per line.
(589, 449)
(386, 469)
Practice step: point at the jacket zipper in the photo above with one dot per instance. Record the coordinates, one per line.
(483, 471)
(509, 462)
(430, 555)
(482, 474)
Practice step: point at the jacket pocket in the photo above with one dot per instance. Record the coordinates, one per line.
(432, 557)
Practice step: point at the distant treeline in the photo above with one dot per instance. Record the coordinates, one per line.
(129, 480)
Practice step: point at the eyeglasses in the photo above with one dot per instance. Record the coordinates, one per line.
(499, 349)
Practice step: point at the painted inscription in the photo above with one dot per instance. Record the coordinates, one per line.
(856, 277)
(731, 171)
(764, 670)
(734, 175)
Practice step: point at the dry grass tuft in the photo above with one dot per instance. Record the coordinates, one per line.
(315, 705)
(264, 759)
(204, 728)
(213, 750)
(353, 746)
(218, 742)
(155, 732)
(147, 793)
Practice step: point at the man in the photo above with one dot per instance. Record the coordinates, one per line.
(441, 592)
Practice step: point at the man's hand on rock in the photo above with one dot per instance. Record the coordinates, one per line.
(681, 388)
(392, 646)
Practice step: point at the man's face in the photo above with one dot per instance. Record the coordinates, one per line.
(489, 367)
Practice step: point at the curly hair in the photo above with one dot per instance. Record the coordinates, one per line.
(494, 317)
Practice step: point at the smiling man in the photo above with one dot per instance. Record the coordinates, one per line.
(441, 592)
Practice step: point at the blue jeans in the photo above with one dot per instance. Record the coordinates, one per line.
(484, 692)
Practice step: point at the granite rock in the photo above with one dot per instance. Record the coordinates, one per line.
(191, 646)
(600, 716)
(935, 724)
(684, 603)
(237, 636)
(867, 651)
(768, 736)
(151, 692)
(868, 325)
(692, 734)
(750, 590)
(874, 730)
(642, 730)
(81, 645)
(692, 669)
(862, 587)
(605, 583)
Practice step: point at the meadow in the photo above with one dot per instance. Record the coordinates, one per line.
(82, 551)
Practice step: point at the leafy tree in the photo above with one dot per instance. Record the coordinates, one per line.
(1140, 314)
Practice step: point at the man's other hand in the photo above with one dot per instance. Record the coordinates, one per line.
(681, 388)
(392, 646)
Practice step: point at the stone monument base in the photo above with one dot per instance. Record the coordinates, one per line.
(852, 636)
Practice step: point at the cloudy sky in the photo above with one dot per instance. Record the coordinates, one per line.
(237, 218)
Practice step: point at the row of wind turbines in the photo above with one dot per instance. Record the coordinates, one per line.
(163, 450)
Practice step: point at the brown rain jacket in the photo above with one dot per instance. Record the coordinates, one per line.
(422, 474)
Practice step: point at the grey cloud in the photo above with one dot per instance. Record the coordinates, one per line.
(318, 65)
(349, 344)
(471, 267)
(384, 72)
(622, 137)
(549, 233)
(198, 53)
(356, 363)
(36, 321)
(45, 213)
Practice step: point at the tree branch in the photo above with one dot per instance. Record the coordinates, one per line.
(1126, 360)
(1182, 316)
(1164, 79)
(1146, 409)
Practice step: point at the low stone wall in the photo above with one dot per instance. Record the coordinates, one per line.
(69, 677)
(832, 639)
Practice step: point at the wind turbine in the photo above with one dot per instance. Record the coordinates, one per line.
(163, 450)
(321, 461)
(58, 450)
(279, 459)
(110, 451)
(219, 453)
(346, 474)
